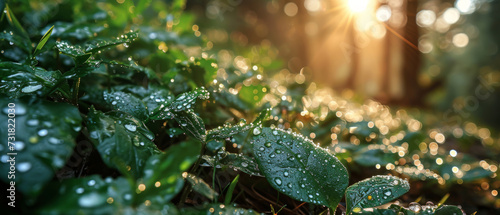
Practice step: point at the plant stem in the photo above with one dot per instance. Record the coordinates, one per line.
(188, 187)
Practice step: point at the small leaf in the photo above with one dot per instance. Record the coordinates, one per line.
(191, 124)
(183, 102)
(237, 161)
(42, 42)
(127, 103)
(162, 178)
(230, 190)
(122, 141)
(200, 186)
(375, 191)
(226, 131)
(293, 165)
(18, 28)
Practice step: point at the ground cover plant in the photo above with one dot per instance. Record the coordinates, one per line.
(124, 108)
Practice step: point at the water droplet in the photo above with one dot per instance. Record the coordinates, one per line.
(127, 196)
(29, 89)
(54, 140)
(91, 200)
(91, 182)
(24, 166)
(79, 190)
(415, 207)
(4, 158)
(268, 144)
(114, 103)
(131, 127)
(19, 145)
(285, 174)
(278, 181)
(256, 131)
(32, 122)
(395, 182)
(387, 193)
(275, 132)
(310, 196)
(243, 164)
(261, 148)
(290, 185)
(43, 132)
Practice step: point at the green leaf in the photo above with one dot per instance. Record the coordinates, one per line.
(89, 195)
(92, 47)
(42, 42)
(230, 190)
(237, 161)
(252, 94)
(226, 131)
(127, 103)
(19, 79)
(218, 209)
(191, 124)
(18, 28)
(183, 102)
(298, 168)
(44, 138)
(162, 176)
(122, 141)
(374, 191)
(200, 186)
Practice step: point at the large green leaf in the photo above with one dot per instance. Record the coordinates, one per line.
(93, 47)
(122, 141)
(295, 166)
(44, 138)
(162, 178)
(375, 191)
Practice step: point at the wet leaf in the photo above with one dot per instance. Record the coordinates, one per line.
(89, 195)
(374, 191)
(226, 131)
(42, 42)
(125, 102)
(19, 79)
(18, 28)
(162, 178)
(44, 140)
(122, 141)
(200, 186)
(237, 161)
(192, 124)
(298, 168)
(183, 102)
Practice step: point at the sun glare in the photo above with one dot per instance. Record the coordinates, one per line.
(357, 6)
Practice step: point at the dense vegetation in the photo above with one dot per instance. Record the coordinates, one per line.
(125, 108)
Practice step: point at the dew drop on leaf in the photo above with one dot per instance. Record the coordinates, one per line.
(24, 166)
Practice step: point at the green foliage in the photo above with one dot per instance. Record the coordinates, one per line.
(161, 108)
(375, 191)
(297, 167)
(45, 137)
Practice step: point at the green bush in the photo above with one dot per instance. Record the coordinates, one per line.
(117, 106)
